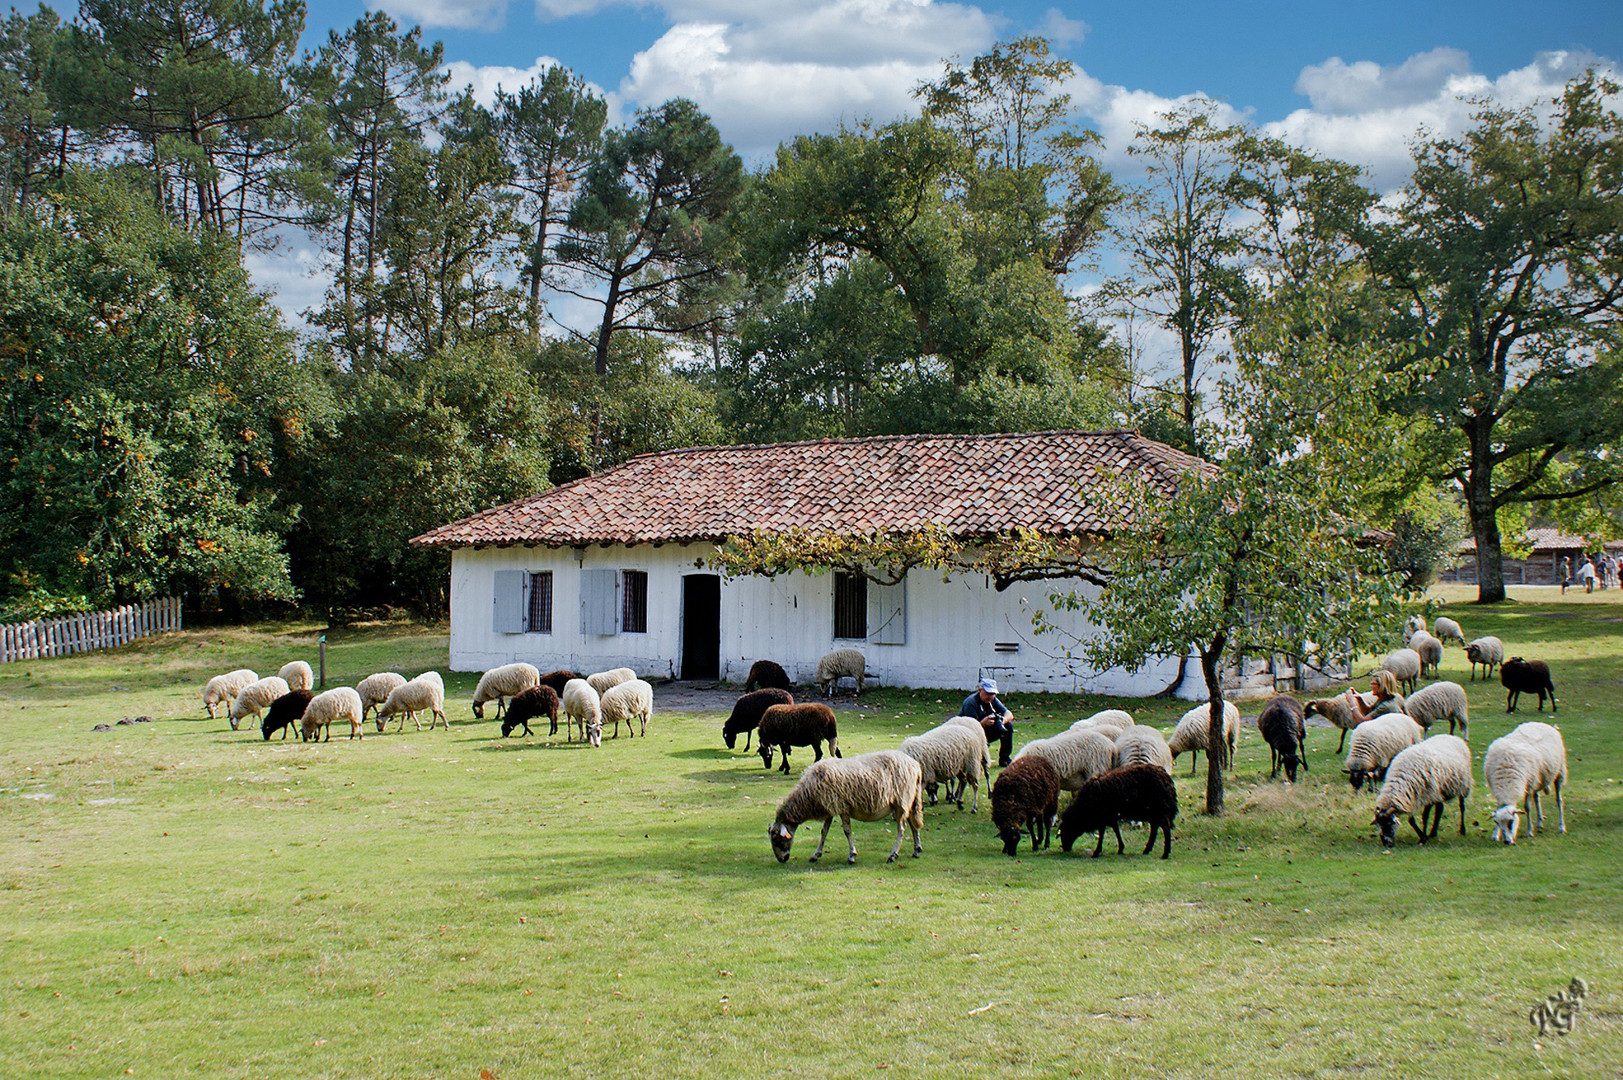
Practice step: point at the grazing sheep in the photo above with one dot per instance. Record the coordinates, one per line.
(604, 681)
(1134, 793)
(582, 702)
(1487, 651)
(628, 701)
(1531, 676)
(1439, 701)
(339, 703)
(746, 715)
(1337, 711)
(1194, 727)
(374, 690)
(256, 697)
(500, 683)
(1283, 724)
(536, 702)
(1025, 798)
(806, 724)
(969, 723)
(1521, 765)
(1103, 727)
(1404, 664)
(1077, 756)
(1430, 651)
(558, 680)
(868, 787)
(222, 689)
(1412, 625)
(1424, 777)
(1446, 629)
(297, 675)
(284, 713)
(949, 752)
(1375, 743)
(424, 693)
(767, 675)
(1113, 717)
(841, 664)
(1142, 745)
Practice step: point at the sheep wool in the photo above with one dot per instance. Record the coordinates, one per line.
(841, 664)
(1375, 743)
(1103, 727)
(1025, 798)
(1424, 777)
(534, 703)
(1430, 651)
(1531, 676)
(746, 714)
(1337, 711)
(1142, 745)
(425, 693)
(256, 697)
(375, 689)
(969, 723)
(628, 701)
(1135, 793)
(869, 787)
(1282, 724)
(1194, 727)
(1114, 717)
(285, 713)
(604, 681)
(1489, 652)
(339, 703)
(767, 675)
(950, 753)
(1523, 764)
(1439, 701)
(583, 703)
(297, 675)
(1404, 664)
(500, 683)
(222, 689)
(1446, 629)
(1412, 624)
(808, 723)
(1077, 756)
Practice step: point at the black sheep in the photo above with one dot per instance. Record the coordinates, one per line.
(537, 701)
(747, 712)
(1533, 676)
(285, 713)
(769, 675)
(1283, 724)
(558, 680)
(809, 724)
(1025, 798)
(1133, 793)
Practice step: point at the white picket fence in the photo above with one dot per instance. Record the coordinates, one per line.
(68, 634)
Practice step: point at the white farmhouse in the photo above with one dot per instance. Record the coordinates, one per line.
(614, 569)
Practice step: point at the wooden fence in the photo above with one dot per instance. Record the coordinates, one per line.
(68, 634)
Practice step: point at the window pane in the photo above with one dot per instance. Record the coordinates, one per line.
(541, 603)
(850, 606)
(634, 605)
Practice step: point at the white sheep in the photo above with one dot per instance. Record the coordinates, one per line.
(604, 681)
(628, 701)
(1430, 651)
(1115, 717)
(1412, 624)
(841, 664)
(1194, 726)
(500, 683)
(950, 753)
(223, 688)
(1439, 701)
(868, 787)
(1077, 756)
(375, 689)
(1375, 743)
(1521, 765)
(581, 702)
(1109, 731)
(972, 724)
(256, 697)
(297, 675)
(425, 693)
(1489, 652)
(339, 703)
(1143, 745)
(1404, 664)
(1337, 710)
(1424, 777)
(1446, 629)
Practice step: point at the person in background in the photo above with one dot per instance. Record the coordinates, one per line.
(1566, 574)
(1383, 697)
(996, 719)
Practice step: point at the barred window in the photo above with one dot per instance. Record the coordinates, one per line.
(850, 605)
(634, 602)
(540, 620)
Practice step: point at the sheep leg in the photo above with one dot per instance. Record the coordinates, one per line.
(1343, 741)
(894, 851)
(823, 839)
(1420, 830)
(1560, 807)
(1121, 848)
(748, 735)
(817, 748)
(785, 769)
(1100, 846)
(845, 823)
(1151, 845)
(1194, 755)
(1462, 815)
(643, 725)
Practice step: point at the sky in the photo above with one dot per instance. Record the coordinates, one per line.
(1352, 81)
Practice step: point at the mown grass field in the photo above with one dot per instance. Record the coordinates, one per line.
(178, 899)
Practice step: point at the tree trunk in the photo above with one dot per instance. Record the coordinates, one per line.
(1490, 567)
(1216, 745)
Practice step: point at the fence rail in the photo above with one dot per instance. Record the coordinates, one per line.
(68, 634)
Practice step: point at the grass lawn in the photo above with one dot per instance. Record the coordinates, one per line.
(178, 899)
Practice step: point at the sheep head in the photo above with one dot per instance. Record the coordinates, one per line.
(1387, 822)
(1506, 823)
(782, 837)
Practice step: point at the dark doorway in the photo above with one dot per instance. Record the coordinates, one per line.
(701, 626)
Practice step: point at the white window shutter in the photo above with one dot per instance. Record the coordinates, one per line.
(887, 613)
(599, 601)
(509, 602)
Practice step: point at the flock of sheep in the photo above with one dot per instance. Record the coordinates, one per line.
(1115, 769)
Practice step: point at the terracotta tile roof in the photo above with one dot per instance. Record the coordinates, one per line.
(1539, 540)
(972, 485)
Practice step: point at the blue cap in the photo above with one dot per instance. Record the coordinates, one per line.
(989, 685)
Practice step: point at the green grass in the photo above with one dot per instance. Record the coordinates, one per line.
(177, 899)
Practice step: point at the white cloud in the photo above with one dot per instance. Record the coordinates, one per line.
(294, 275)
(1340, 88)
(457, 14)
(1060, 30)
(485, 80)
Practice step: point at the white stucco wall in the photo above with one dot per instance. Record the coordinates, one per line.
(953, 626)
